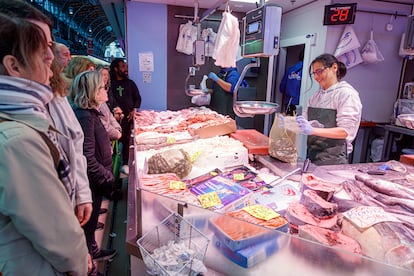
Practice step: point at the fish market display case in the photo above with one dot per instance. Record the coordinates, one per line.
(262, 251)
(285, 255)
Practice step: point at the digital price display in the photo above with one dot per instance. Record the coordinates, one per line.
(253, 27)
(339, 14)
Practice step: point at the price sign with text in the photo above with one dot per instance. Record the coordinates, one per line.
(339, 14)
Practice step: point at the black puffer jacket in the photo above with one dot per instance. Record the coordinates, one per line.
(97, 150)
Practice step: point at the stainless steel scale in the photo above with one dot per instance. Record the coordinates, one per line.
(260, 38)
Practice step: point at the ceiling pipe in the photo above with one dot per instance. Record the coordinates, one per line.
(60, 13)
(94, 28)
(93, 21)
(72, 17)
(99, 33)
(116, 18)
(213, 9)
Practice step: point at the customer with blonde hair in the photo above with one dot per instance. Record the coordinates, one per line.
(71, 141)
(77, 65)
(87, 94)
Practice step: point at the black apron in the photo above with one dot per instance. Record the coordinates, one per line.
(222, 101)
(321, 150)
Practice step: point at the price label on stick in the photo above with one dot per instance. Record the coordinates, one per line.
(238, 176)
(261, 212)
(177, 185)
(209, 200)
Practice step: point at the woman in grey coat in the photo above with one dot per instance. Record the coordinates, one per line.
(39, 233)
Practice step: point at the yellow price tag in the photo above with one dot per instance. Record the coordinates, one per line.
(195, 156)
(238, 176)
(180, 185)
(209, 200)
(213, 173)
(261, 212)
(171, 140)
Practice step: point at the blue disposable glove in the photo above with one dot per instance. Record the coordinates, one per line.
(213, 76)
(304, 125)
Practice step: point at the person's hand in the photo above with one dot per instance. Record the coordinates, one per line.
(83, 212)
(131, 115)
(118, 114)
(90, 263)
(213, 76)
(304, 125)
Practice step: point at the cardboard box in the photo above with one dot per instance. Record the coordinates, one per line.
(231, 194)
(237, 234)
(216, 130)
(279, 197)
(249, 256)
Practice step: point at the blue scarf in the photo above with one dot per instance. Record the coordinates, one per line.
(20, 96)
(25, 97)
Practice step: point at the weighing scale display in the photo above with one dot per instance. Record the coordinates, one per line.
(339, 14)
(253, 27)
(261, 31)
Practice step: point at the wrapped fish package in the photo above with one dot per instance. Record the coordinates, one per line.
(176, 161)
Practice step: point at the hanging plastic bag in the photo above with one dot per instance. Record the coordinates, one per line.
(347, 50)
(370, 52)
(209, 37)
(186, 37)
(227, 41)
(201, 100)
(282, 141)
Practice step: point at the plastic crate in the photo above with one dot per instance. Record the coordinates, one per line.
(174, 232)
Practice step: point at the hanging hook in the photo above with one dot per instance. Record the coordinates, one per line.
(196, 6)
(228, 6)
(372, 23)
(395, 15)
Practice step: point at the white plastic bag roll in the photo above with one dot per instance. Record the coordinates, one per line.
(227, 41)
(186, 38)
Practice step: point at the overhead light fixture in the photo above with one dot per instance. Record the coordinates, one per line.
(90, 30)
(70, 9)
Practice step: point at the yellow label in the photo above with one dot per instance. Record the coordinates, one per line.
(261, 212)
(195, 156)
(238, 176)
(180, 185)
(209, 200)
(171, 140)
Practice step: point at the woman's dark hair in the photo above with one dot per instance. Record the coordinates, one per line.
(22, 9)
(328, 60)
(21, 39)
(114, 64)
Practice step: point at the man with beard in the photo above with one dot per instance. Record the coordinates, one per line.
(125, 94)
